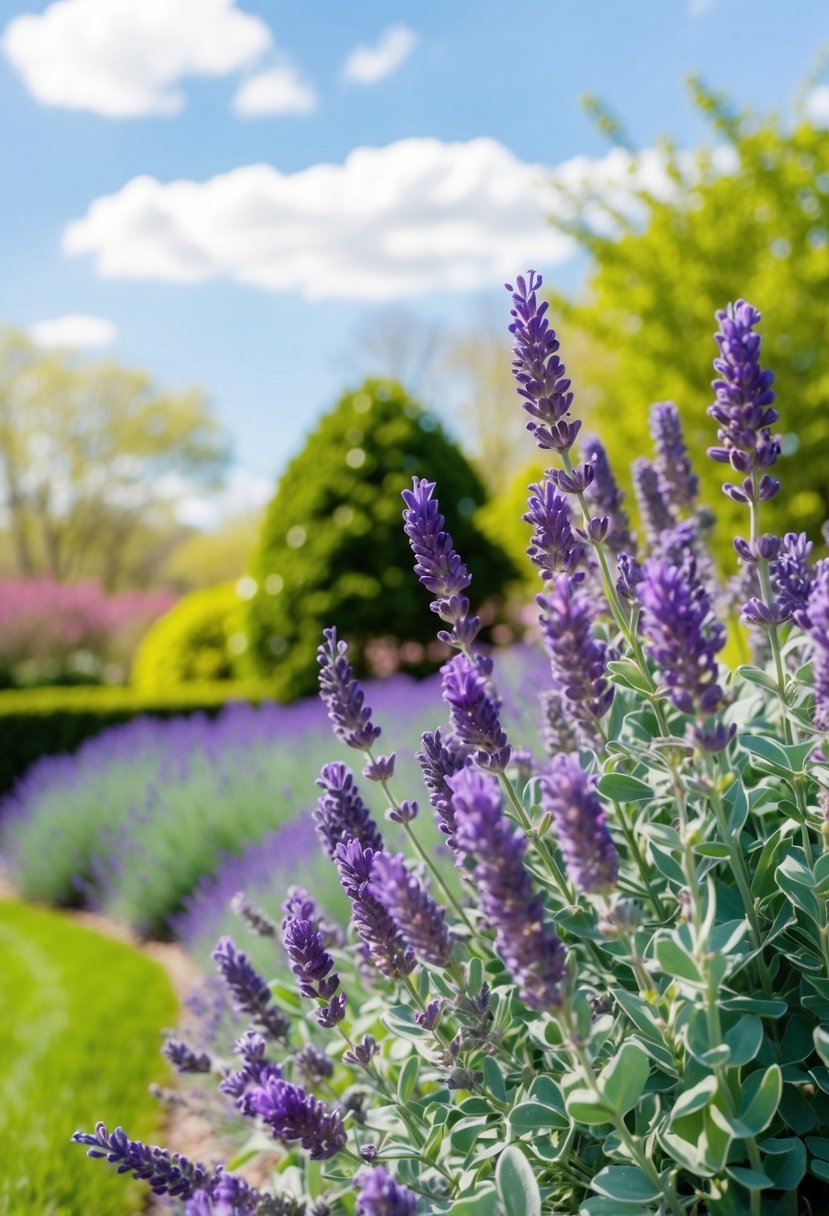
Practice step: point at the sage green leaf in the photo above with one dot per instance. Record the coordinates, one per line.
(624, 1078)
(620, 787)
(695, 1098)
(744, 1040)
(676, 962)
(516, 1184)
(752, 1180)
(494, 1079)
(534, 1116)
(584, 1107)
(626, 1183)
(407, 1080)
(821, 1038)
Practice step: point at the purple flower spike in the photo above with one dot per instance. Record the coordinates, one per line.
(249, 991)
(569, 795)
(604, 495)
(815, 620)
(744, 402)
(312, 964)
(791, 574)
(654, 509)
(185, 1058)
(677, 480)
(530, 948)
(375, 926)
(341, 814)
(167, 1173)
(577, 659)
(420, 920)
(681, 634)
(553, 547)
(437, 565)
(442, 756)
(539, 373)
(474, 715)
(292, 1114)
(343, 696)
(380, 1195)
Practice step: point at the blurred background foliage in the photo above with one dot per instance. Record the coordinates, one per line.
(333, 550)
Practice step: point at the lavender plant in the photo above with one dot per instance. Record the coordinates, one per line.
(621, 1005)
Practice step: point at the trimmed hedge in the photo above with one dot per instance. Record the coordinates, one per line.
(49, 721)
(200, 639)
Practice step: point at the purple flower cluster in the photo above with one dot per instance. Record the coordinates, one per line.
(682, 635)
(419, 919)
(677, 480)
(254, 1072)
(312, 965)
(292, 1114)
(815, 620)
(249, 991)
(577, 659)
(437, 565)
(343, 696)
(529, 947)
(185, 1058)
(167, 1173)
(540, 374)
(553, 547)
(442, 756)
(473, 711)
(604, 494)
(380, 1195)
(375, 926)
(568, 795)
(340, 814)
(655, 510)
(744, 405)
(791, 574)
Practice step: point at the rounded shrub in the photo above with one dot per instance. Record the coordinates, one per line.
(332, 546)
(200, 639)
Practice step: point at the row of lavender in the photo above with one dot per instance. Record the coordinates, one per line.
(626, 1008)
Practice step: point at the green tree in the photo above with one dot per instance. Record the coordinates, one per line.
(747, 217)
(92, 460)
(333, 550)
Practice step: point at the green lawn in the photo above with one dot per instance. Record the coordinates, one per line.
(80, 1017)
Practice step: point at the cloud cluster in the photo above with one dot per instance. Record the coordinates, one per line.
(416, 216)
(278, 90)
(76, 331)
(126, 58)
(369, 64)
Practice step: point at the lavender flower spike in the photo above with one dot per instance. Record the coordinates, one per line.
(791, 574)
(343, 696)
(341, 814)
(420, 920)
(292, 1114)
(578, 660)
(437, 565)
(185, 1058)
(678, 482)
(375, 926)
(380, 1195)
(655, 511)
(604, 495)
(474, 715)
(441, 757)
(529, 947)
(569, 795)
(744, 404)
(538, 371)
(312, 965)
(249, 991)
(681, 634)
(167, 1173)
(553, 547)
(815, 620)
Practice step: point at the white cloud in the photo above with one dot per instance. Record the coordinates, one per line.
(817, 105)
(414, 217)
(75, 330)
(698, 8)
(368, 64)
(126, 58)
(279, 90)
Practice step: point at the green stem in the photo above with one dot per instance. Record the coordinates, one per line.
(638, 857)
(545, 852)
(767, 597)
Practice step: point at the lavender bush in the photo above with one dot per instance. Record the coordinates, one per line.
(626, 1007)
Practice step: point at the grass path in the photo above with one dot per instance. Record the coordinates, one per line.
(79, 1040)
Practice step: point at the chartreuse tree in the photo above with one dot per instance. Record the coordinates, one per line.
(331, 546)
(747, 216)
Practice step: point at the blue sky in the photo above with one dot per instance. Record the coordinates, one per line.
(255, 287)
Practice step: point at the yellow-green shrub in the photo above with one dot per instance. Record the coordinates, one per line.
(200, 639)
